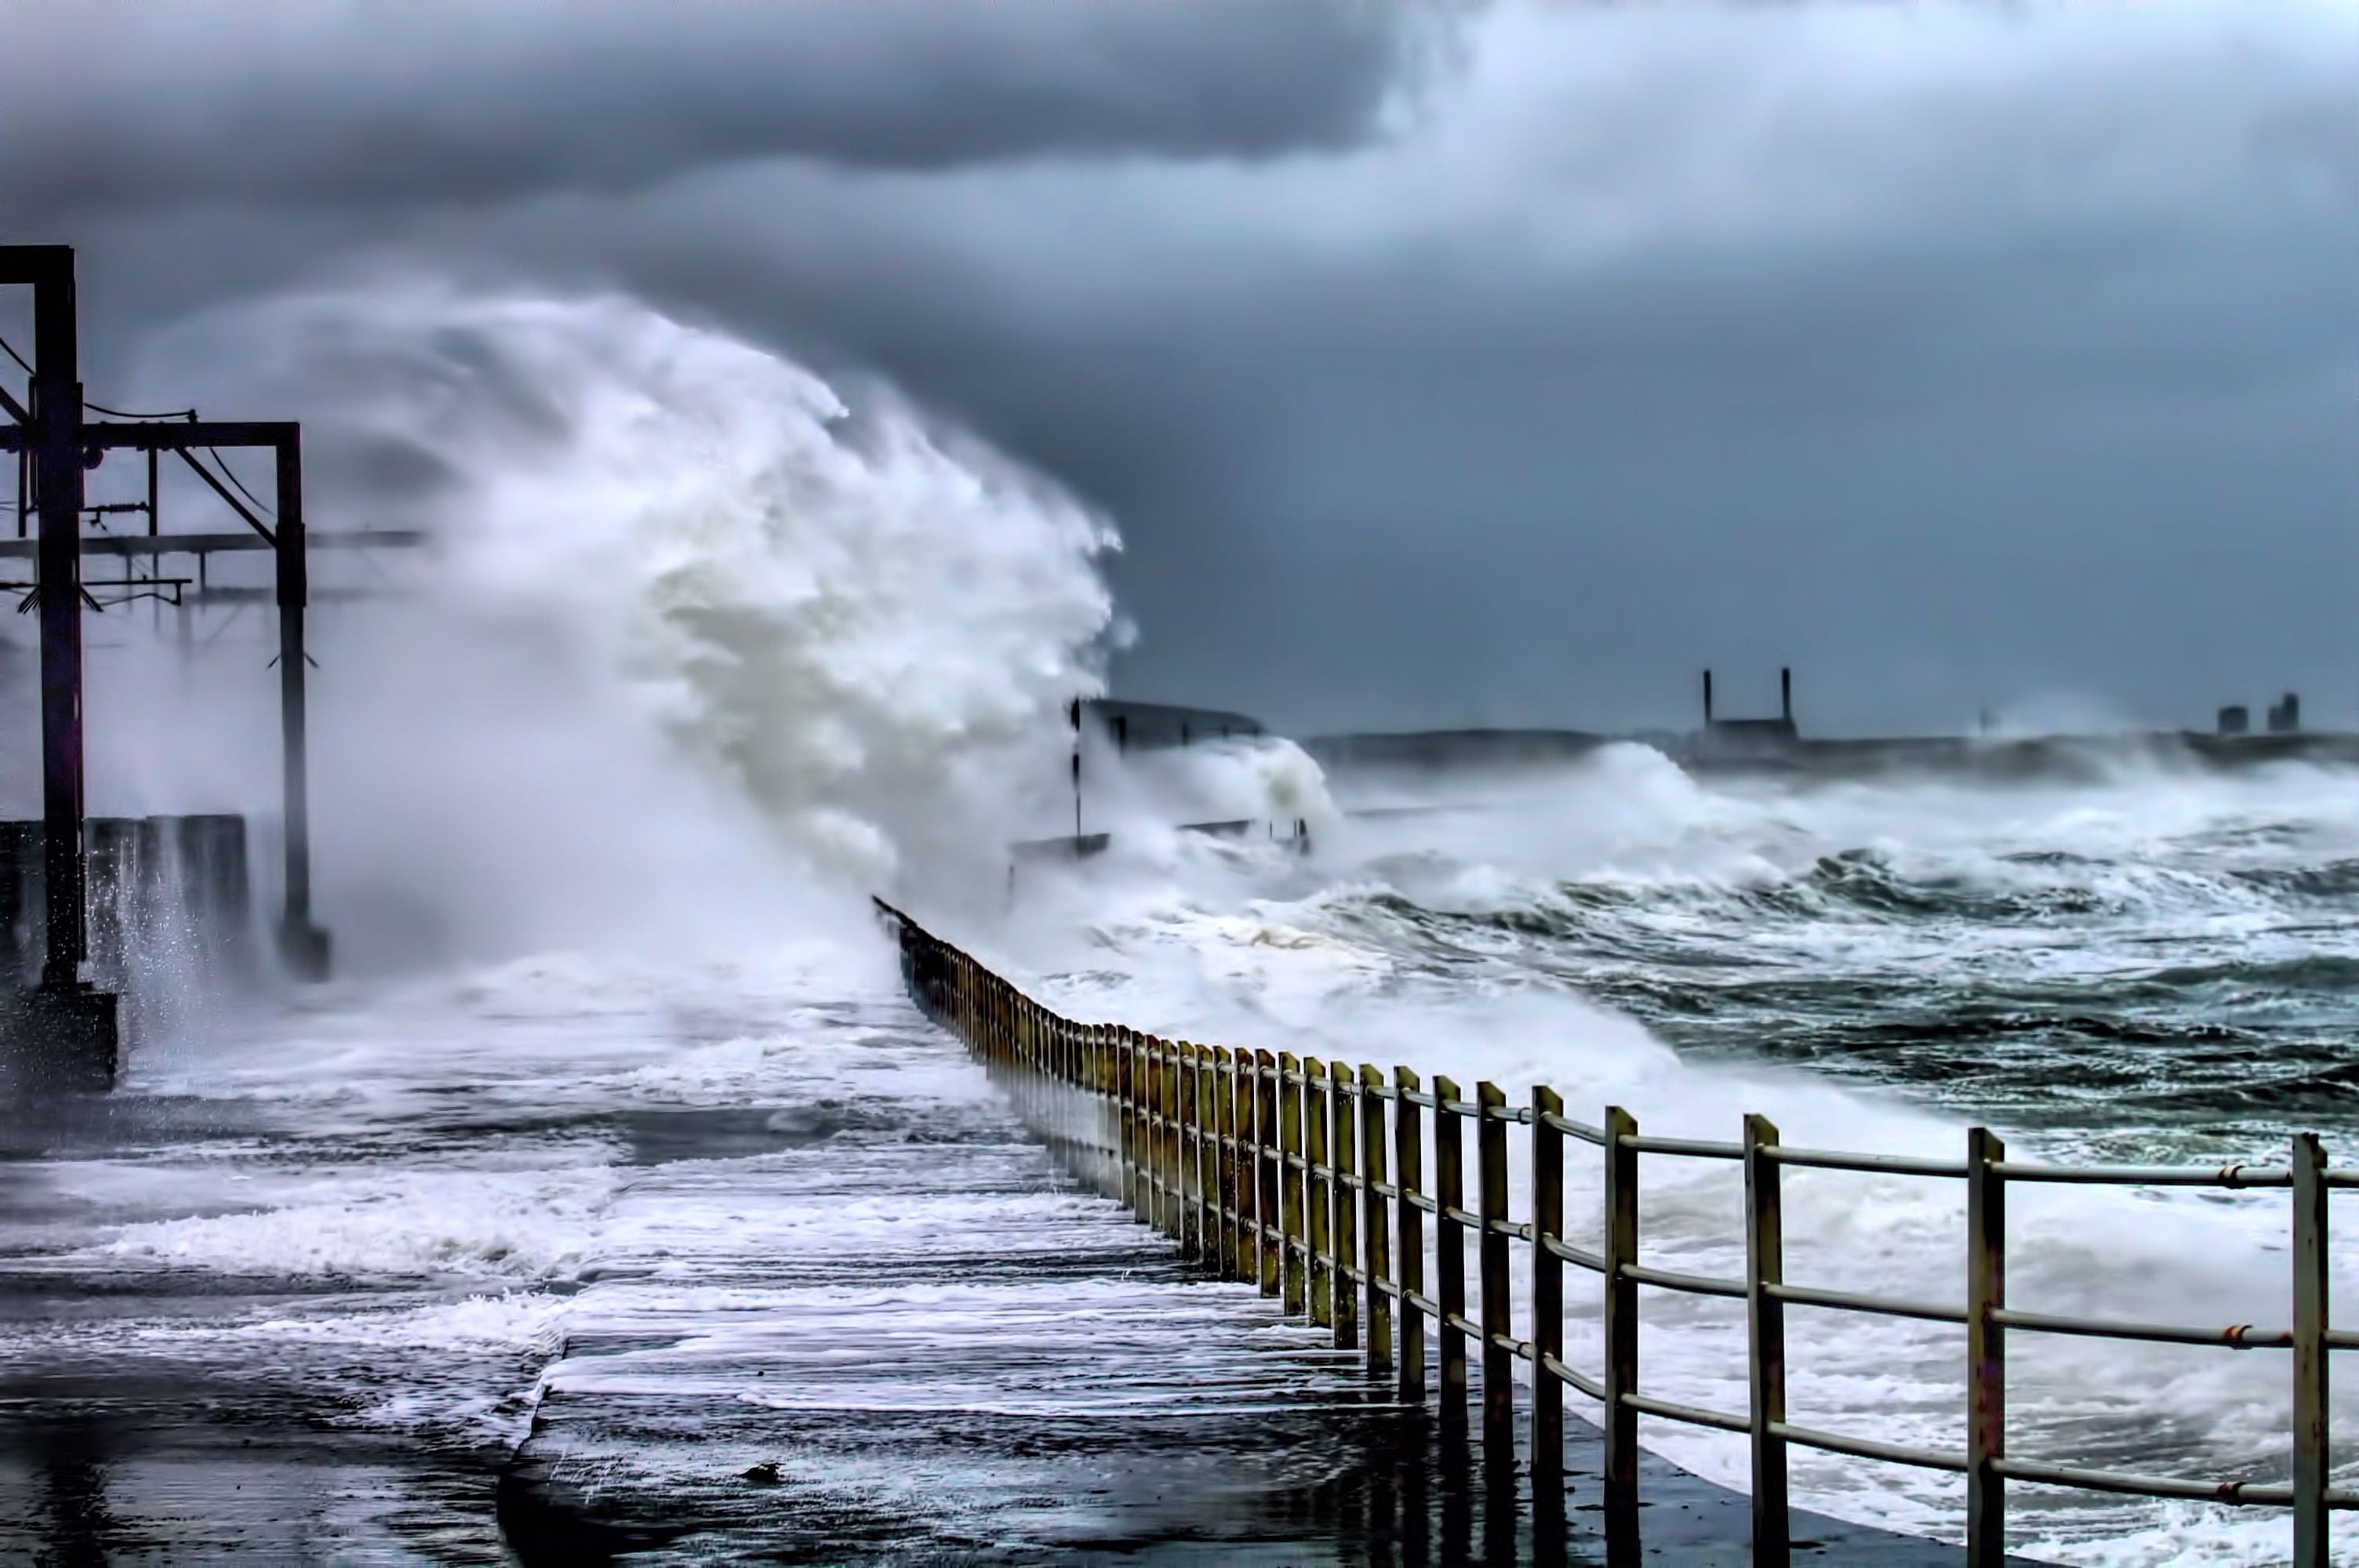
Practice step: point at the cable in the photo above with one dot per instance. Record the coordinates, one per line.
(189, 413)
(223, 463)
(100, 408)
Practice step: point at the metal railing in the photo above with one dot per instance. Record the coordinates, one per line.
(1309, 1179)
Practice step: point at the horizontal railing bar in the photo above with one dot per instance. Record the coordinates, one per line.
(1573, 1129)
(1520, 1229)
(1516, 1113)
(2236, 1337)
(1459, 1107)
(1523, 1349)
(1868, 1448)
(2146, 1176)
(2246, 1493)
(1423, 1303)
(1693, 1148)
(1871, 1164)
(1575, 1375)
(1425, 1201)
(1466, 1218)
(1419, 1097)
(1592, 1261)
(1463, 1324)
(1384, 1189)
(1881, 1306)
(1694, 1415)
(1694, 1284)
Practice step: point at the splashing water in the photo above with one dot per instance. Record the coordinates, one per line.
(706, 649)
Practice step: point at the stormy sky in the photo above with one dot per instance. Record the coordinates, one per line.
(1465, 365)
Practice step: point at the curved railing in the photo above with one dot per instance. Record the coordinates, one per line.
(1309, 1179)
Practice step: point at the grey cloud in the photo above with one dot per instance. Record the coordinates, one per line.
(106, 103)
(1997, 358)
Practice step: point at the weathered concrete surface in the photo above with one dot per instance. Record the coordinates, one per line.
(864, 1321)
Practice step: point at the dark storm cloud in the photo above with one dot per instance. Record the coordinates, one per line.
(1957, 358)
(109, 104)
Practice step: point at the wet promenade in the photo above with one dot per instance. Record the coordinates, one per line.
(834, 1307)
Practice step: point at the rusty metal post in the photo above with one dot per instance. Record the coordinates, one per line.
(1269, 1234)
(1765, 1318)
(1174, 1204)
(1290, 1186)
(1450, 1248)
(1133, 1129)
(1316, 1188)
(1375, 1229)
(1498, 1361)
(1344, 1140)
(1547, 1295)
(1408, 1174)
(1621, 1314)
(2311, 1381)
(1986, 1350)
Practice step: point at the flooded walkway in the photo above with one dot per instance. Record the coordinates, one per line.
(754, 1278)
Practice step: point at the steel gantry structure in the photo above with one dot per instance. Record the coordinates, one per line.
(69, 1023)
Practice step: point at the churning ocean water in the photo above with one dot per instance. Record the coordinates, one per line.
(707, 652)
(2154, 964)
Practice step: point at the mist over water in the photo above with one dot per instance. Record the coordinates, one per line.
(703, 651)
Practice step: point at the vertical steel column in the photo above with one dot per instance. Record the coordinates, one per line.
(1408, 1174)
(1986, 1350)
(58, 489)
(1315, 1190)
(2309, 1353)
(1547, 1296)
(1491, 1248)
(1449, 1246)
(303, 944)
(1764, 1317)
(1344, 1141)
(1375, 1228)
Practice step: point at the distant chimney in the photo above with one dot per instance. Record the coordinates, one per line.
(1786, 693)
(1707, 699)
(2284, 718)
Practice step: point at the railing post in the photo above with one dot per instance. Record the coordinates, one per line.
(1344, 1140)
(1985, 1351)
(1175, 1139)
(1236, 1113)
(1138, 1067)
(2309, 1353)
(1289, 1184)
(1408, 1174)
(1765, 1318)
(1212, 1228)
(1183, 1147)
(1621, 1314)
(1450, 1248)
(1269, 1235)
(1497, 1263)
(1315, 1190)
(1547, 1295)
(1376, 1231)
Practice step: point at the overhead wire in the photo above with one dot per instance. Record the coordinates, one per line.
(99, 407)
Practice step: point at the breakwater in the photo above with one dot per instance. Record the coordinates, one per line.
(1310, 1179)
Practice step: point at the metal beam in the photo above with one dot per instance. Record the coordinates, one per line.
(165, 434)
(221, 490)
(213, 544)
